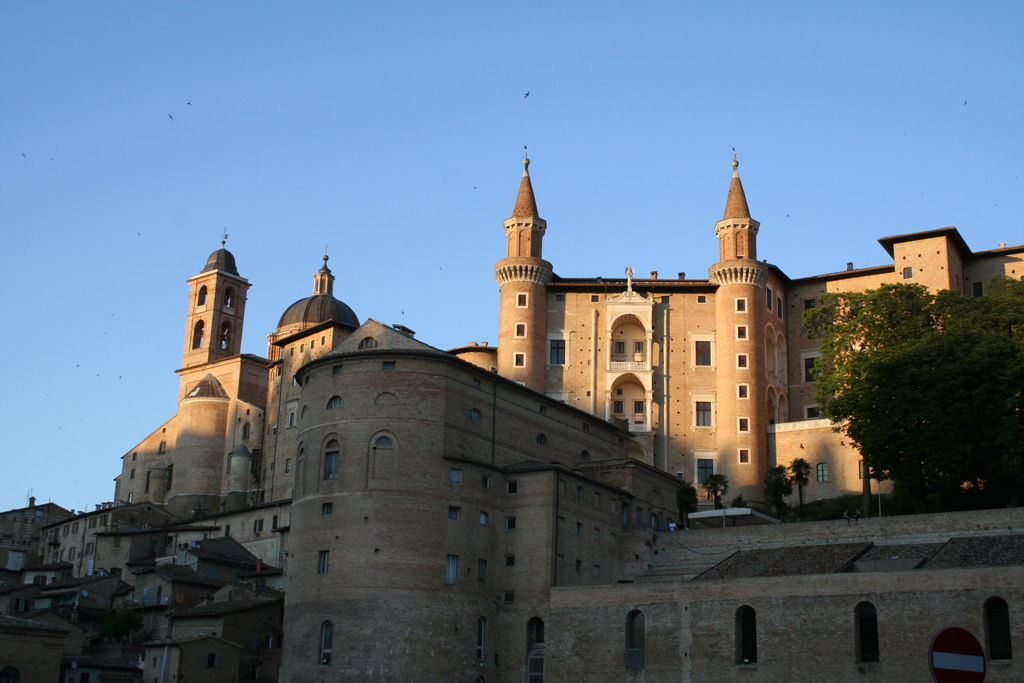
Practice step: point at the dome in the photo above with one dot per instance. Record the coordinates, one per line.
(319, 308)
(222, 259)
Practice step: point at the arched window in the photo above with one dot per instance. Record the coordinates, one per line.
(585, 455)
(383, 442)
(542, 439)
(224, 341)
(535, 651)
(368, 343)
(9, 674)
(326, 642)
(229, 298)
(865, 618)
(481, 638)
(997, 629)
(198, 333)
(331, 454)
(635, 649)
(334, 402)
(746, 635)
(201, 297)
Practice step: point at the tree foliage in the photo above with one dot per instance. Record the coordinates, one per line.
(716, 486)
(800, 474)
(686, 501)
(120, 623)
(929, 387)
(776, 487)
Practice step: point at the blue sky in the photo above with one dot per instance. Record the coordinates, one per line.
(393, 133)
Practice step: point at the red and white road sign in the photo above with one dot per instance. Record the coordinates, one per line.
(956, 657)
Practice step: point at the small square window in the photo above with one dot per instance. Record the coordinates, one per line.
(908, 273)
(744, 424)
(744, 456)
(511, 487)
(388, 365)
(810, 303)
(741, 360)
(812, 412)
(702, 298)
(508, 597)
(327, 508)
(519, 360)
(741, 305)
(520, 329)
(594, 298)
(455, 475)
(454, 512)
(510, 561)
(510, 522)
(742, 391)
(522, 300)
(559, 297)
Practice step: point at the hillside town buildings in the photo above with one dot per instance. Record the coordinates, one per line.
(501, 513)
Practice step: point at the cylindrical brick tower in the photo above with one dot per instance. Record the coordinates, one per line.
(523, 277)
(742, 382)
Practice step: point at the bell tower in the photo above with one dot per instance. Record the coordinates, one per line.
(216, 309)
(523, 277)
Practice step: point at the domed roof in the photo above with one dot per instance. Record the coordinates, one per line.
(319, 308)
(222, 259)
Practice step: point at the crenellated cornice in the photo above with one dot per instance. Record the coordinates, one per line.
(739, 273)
(537, 272)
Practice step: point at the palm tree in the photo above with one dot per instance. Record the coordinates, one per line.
(716, 485)
(776, 487)
(686, 500)
(800, 474)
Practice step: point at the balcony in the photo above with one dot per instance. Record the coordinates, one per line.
(617, 364)
(639, 426)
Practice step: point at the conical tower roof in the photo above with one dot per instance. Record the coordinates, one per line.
(736, 203)
(526, 204)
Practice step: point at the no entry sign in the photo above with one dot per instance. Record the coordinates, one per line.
(956, 657)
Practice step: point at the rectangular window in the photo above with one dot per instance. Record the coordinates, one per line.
(741, 305)
(638, 407)
(810, 303)
(131, 475)
(455, 475)
(508, 597)
(483, 518)
(741, 331)
(769, 297)
(594, 298)
(520, 329)
(705, 468)
(559, 297)
(743, 424)
(331, 465)
(257, 526)
(291, 419)
(336, 370)
(976, 289)
(702, 299)
(778, 306)
(908, 273)
(638, 347)
(702, 353)
(812, 412)
(579, 528)
(387, 365)
(579, 565)
(510, 522)
(822, 471)
(451, 569)
(556, 353)
(327, 508)
(454, 512)
(741, 360)
(742, 391)
(618, 407)
(481, 570)
(703, 413)
(519, 360)
(485, 481)
(619, 348)
(288, 466)
(579, 493)
(809, 369)
(323, 561)
(744, 456)
(511, 487)
(522, 300)
(510, 561)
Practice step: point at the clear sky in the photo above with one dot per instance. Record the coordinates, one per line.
(393, 133)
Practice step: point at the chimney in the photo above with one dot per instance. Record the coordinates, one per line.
(31, 501)
(849, 265)
(654, 275)
(682, 276)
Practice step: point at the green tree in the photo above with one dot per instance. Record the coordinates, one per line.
(119, 624)
(686, 501)
(716, 486)
(929, 387)
(800, 474)
(776, 487)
